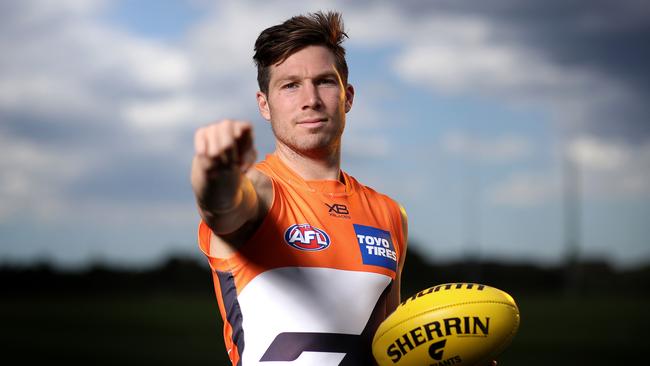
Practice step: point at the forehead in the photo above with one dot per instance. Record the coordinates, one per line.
(309, 61)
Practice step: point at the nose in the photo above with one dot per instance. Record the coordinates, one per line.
(311, 98)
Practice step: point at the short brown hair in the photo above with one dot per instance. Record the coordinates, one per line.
(275, 44)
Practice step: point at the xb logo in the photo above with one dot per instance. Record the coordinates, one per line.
(436, 349)
(338, 209)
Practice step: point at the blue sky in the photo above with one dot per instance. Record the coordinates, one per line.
(465, 113)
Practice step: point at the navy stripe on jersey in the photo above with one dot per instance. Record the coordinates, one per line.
(362, 355)
(233, 311)
(288, 346)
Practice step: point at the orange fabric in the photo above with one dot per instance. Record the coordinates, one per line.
(292, 196)
(345, 211)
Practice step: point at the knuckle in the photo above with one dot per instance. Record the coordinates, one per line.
(213, 127)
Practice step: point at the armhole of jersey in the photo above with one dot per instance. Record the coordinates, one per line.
(204, 238)
(397, 216)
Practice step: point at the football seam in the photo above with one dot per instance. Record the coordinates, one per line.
(440, 308)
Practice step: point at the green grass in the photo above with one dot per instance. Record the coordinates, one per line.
(589, 330)
(160, 329)
(173, 329)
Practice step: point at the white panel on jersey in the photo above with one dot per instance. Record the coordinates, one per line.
(306, 299)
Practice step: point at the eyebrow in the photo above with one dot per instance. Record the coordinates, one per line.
(321, 75)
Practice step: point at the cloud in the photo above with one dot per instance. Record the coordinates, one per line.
(611, 170)
(32, 176)
(599, 34)
(94, 114)
(72, 70)
(74, 96)
(18, 16)
(525, 189)
(604, 170)
(152, 67)
(585, 63)
(465, 57)
(501, 149)
(160, 113)
(593, 154)
(368, 146)
(96, 120)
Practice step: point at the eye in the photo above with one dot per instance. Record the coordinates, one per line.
(291, 85)
(328, 81)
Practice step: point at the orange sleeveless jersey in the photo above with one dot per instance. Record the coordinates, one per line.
(310, 286)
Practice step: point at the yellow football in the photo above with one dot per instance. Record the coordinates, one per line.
(458, 324)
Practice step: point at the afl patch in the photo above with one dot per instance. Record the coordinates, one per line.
(306, 237)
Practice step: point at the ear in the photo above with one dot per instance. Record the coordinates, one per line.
(263, 105)
(349, 97)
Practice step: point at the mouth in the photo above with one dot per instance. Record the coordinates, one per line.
(312, 122)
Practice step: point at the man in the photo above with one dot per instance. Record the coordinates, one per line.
(306, 261)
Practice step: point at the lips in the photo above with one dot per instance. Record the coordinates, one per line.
(312, 121)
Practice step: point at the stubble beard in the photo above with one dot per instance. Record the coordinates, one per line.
(318, 144)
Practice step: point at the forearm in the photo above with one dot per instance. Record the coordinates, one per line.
(225, 201)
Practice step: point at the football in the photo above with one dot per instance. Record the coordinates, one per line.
(458, 324)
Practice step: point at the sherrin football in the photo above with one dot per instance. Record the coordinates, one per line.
(458, 324)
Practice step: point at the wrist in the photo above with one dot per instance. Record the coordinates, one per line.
(231, 206)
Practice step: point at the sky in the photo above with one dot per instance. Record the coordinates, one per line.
(478, 117)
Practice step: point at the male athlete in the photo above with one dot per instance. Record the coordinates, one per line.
(306, 260)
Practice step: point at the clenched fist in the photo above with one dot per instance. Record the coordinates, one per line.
(225, 145)
(223, 152)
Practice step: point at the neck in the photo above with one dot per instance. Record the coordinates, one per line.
(325, 166)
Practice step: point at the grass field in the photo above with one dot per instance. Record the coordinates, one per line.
(593, 330)
(184, 329)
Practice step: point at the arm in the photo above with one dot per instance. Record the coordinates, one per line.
(225, 196)
(394, 297)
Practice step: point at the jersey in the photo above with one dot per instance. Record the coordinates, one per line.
(310, 286)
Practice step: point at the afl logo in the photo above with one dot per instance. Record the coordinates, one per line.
(306, 237)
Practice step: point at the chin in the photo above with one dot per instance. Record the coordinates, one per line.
(322, 150)
(312, 144)
(313, 148)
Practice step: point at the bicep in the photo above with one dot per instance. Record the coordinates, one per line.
(394, 295)
(394, 298)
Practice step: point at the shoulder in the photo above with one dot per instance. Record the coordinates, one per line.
(397, 208)
(262, 183)
(372, 193)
